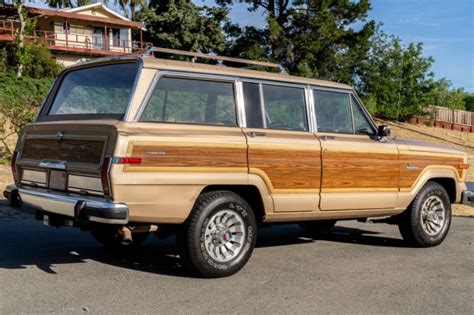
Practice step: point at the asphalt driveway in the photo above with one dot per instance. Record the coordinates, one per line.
(359, 268)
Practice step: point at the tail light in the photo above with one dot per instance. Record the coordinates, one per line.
(127, 160)
(105, 176)
(13, 166)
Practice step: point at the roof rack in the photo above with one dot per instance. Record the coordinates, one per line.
(219, 58)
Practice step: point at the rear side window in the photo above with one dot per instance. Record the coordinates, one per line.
(333, 111)
(192, 101)
(283, 107)
(101, 90)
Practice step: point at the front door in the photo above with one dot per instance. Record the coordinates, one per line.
(359, 170)
(281, 150)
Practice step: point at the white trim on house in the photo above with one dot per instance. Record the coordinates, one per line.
(94, 5)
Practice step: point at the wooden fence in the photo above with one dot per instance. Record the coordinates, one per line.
(447, 118)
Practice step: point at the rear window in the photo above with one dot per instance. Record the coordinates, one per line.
(102, 90)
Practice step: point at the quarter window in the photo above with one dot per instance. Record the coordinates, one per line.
(333, 111)
(284, 108)
(179, 100)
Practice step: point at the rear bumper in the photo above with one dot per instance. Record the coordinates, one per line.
(467, 197)
(76, 207)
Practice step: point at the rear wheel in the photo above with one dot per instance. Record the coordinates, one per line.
(110, 237)
(427, 220)
(316, 228)
(219, 236)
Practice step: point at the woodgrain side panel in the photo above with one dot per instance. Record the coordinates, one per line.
(359, 171)
(412, 165)
(190, 156)
(287, 168)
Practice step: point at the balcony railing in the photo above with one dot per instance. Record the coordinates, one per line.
(95, 44)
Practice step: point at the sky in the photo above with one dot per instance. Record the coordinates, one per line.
(446, 27)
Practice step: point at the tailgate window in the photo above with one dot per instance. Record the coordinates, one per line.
(95, 91)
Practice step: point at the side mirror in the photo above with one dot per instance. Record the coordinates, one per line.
(383, 131)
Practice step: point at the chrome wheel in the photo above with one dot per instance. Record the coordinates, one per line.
(224, 236)
(433, 215)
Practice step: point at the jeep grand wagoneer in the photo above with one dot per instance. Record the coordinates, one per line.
(130, 146)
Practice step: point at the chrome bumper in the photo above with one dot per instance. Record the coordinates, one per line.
(468, 195)
(77, 207)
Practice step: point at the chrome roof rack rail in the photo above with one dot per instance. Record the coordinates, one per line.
(218, 58)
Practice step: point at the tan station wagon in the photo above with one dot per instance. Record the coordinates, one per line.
(131, 146)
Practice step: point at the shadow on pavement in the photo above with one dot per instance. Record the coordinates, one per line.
(28, 243)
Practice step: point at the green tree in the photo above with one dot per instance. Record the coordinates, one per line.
(179, 24)
(469, 102)
(310, 38)
(395, 81)
(443, 94)
(131, 5)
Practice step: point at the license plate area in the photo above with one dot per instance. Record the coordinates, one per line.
(57, 180)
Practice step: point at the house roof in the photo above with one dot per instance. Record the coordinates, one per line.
(97, 5)
(83, 17)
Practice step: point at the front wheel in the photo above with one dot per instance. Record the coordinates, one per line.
(219, 236)
(427, 220)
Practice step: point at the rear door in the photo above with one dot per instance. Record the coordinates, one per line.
(360, 171)
(281, 149)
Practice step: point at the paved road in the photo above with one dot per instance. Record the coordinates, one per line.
(360, 268)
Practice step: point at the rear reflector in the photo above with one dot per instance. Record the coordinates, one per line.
(104, 176)
(127, 160)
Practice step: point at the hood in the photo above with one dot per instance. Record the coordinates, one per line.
(420, 146)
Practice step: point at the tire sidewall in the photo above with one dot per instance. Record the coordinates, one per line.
(242, 209)
(420, 233)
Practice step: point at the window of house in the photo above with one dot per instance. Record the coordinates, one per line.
(333, 111)
(116, 37)
(66, 27)
(284, 108)
(192, 101)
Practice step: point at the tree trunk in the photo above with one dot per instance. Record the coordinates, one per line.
(132, 11)
(21, 39)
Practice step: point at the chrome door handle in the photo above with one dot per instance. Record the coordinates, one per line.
(325, 138)
(254, 134)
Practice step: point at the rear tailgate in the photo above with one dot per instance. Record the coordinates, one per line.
(66, 156)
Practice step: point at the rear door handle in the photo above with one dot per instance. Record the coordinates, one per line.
(325, 138)
(254, 134)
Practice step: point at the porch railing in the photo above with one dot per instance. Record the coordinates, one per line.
(100, 44)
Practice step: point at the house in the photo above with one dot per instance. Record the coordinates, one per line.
(87, 31)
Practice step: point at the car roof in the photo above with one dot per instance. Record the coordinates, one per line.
(166, 64)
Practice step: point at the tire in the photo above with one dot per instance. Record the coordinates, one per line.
(317, 228)
(427, 220)
(219, 235)
(110, 238)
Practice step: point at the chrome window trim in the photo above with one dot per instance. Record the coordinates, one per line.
(262, 105)
(310, 108)
(242, 115)
(189, 75)
(352, 113)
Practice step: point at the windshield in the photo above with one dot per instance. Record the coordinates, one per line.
(100, 91)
